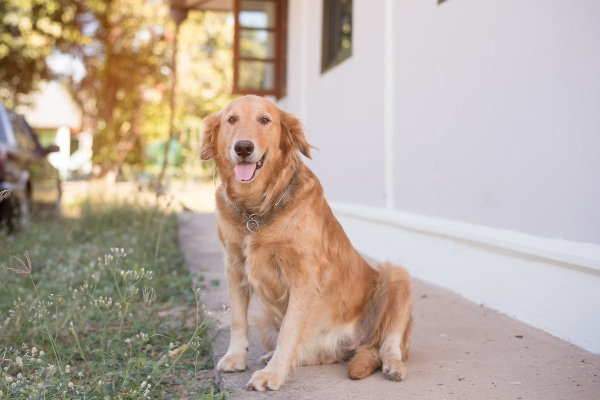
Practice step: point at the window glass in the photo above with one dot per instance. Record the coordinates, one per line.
(22, 134)
(257, 43)
(259, 50)
(257, 14)
(337, 32)
(2, 133)
(256, 75)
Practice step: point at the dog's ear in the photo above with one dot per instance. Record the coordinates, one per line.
(293, 134)
(211, 125)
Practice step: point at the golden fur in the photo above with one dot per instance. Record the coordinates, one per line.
(321, 301)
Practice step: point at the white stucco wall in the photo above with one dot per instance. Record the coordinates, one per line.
(342, 109)
(462, 140)
(497, 114)
(495, 111)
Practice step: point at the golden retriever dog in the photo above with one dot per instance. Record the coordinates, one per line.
(320, 301)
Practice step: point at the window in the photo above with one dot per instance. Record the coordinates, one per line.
(337, 32)
(260, 47)
(22, 132)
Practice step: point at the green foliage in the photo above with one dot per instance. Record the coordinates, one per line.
(29, 31)
(127, 87)
(125, 59)
(126, 48)
(99, 304)
(205, 77)
(205, 60)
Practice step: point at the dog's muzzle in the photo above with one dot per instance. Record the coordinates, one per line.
(245, 169)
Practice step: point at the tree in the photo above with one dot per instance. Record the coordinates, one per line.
(126, 48)
(29, 31)
(129, 72)
(124, 57)
(204, 72)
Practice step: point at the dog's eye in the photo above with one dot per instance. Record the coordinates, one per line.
(264, 120)
(232, 119)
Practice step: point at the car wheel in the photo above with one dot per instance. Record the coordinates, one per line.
(14, 213)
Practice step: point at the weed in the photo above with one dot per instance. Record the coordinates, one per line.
(97, 303)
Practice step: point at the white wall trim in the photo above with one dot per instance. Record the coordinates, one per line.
(551, 284)
(580, 256)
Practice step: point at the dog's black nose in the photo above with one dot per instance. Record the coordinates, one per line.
(243, 148)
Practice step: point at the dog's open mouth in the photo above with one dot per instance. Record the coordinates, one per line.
(245, 171)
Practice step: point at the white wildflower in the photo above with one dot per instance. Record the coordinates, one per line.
(51, 371)
(143, 337)
(119, 252)
(149, 295)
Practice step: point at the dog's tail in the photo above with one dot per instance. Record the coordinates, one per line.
(389, 323)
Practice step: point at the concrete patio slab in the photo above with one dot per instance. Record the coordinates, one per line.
(459, 350)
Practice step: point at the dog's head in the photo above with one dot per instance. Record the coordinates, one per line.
(252, 140)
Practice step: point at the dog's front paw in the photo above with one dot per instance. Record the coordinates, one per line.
(232, 362)
(394, 370)
(266, 380)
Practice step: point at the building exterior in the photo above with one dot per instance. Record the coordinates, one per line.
(57, 120)
(462, 139)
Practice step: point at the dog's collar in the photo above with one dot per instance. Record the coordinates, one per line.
(253, 220)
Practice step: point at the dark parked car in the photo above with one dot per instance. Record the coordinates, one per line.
(26, 176)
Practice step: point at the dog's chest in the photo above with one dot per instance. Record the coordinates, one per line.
(268, 267)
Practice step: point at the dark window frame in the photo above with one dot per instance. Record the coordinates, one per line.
(279, 59)
(334, 49)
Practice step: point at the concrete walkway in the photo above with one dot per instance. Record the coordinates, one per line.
(459, 350)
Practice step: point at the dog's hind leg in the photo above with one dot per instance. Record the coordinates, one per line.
(394, 319)
(364, 363)
(267, 326)
(391, 322)
(392, 357)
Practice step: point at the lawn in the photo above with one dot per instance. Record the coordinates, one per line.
(96, 303)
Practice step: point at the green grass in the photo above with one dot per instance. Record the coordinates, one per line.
(98, 304)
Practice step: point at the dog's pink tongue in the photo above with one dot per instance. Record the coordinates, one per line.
(244, 171)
